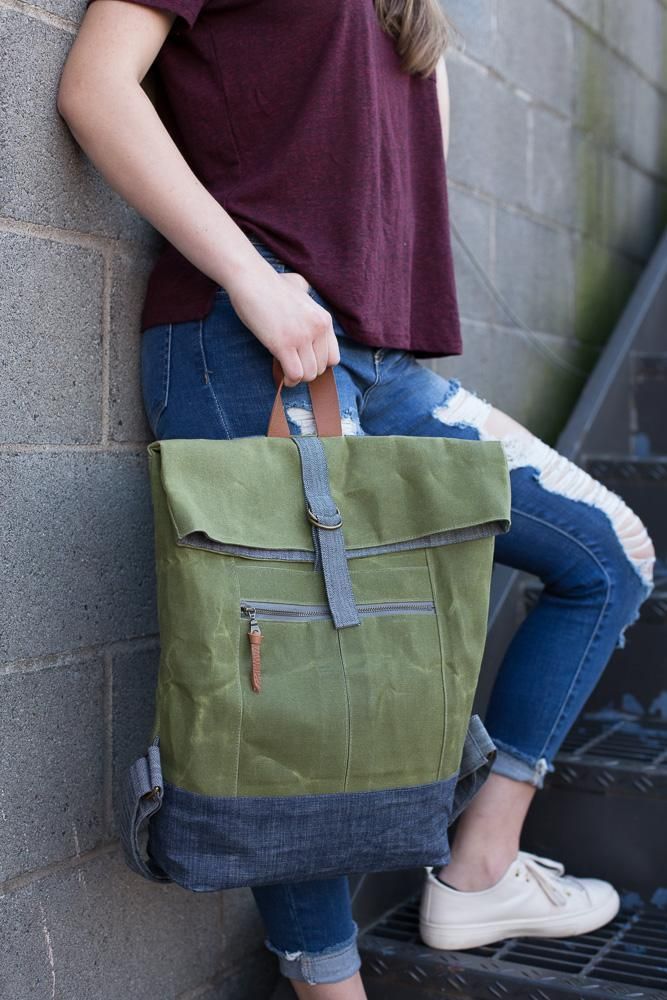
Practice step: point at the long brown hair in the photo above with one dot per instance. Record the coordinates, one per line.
(420, 31)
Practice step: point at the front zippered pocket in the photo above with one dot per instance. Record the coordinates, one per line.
(278, 611)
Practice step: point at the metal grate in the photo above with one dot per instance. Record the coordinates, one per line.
(630, 953)
(613, 738)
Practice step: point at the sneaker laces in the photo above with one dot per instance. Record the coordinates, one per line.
(550, 876)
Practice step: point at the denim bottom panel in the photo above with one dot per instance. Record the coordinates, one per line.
(394, 828)
(212, 378)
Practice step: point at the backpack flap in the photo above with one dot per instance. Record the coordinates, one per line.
(245, 495)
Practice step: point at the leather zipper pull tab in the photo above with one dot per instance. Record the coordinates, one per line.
(255, 637)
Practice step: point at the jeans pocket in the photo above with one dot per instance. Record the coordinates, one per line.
(155, 371)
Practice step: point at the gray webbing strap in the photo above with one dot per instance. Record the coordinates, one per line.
(479, 752)
(141, 796)
(328, 538)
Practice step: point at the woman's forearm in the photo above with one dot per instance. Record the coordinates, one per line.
(120, 131)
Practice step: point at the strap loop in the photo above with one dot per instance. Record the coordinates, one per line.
(141, 797)
(324, 397)
(325, 517)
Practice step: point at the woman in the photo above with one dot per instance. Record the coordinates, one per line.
(296, 167)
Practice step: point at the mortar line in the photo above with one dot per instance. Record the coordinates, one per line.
(547, 221)
(105, 347)
(490, 70)
(74, 657)
(35, 447)
(67, 865)
(75, 237)
(39, 14)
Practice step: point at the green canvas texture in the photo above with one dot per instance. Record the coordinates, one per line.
(382, 704)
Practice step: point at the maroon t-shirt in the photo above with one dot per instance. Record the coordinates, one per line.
(297, 118)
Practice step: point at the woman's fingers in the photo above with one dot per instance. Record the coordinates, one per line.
(296, 329)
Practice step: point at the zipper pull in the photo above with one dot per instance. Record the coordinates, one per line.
(255, 637)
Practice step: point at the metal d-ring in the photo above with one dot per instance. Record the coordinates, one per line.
(327, 527)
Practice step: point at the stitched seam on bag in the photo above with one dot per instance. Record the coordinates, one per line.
(451, 536)
(240, 689)
(349, 713)
(427, 556)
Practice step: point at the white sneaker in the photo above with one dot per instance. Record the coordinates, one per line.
(532, 899)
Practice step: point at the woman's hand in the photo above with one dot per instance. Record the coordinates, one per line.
(295, 329)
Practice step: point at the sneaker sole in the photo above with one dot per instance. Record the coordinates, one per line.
(569, 925)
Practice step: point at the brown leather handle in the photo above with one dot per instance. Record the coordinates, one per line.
(324, 397)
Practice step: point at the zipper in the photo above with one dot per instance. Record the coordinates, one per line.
(255, 637)
(274, 611)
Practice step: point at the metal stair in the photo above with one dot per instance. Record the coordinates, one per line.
(604, 811)
(625, 959)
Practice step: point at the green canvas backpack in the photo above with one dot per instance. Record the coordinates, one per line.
(323, 604)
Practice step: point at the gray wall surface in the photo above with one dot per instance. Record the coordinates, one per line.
(557, 172)
(557, 168)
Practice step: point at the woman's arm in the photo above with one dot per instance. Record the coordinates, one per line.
(442, 86)
(111, 117)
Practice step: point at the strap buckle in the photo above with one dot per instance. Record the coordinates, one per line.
(154, 793)
(327, 527)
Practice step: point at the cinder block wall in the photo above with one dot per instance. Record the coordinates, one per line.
(557, 167)
(557, 171)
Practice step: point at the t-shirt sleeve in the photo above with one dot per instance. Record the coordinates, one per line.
(188, 10)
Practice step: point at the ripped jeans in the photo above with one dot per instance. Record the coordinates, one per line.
(212, 378)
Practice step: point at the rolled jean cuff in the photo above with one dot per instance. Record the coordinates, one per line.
(512, 764)
(331, 965)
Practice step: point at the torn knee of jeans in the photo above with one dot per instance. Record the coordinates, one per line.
(621, 640)
(553, 471)
(301, 418)
(349, 420)
(461, 408)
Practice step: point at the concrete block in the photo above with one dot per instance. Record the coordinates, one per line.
(25, 949)
(242, 928)
(596, 96)
(474, 23)
(632, 208)
(50, 318)
(48, 179)
(71, 9)
(604, 281)
(254, 979)
(78, 551)
(489, 134)
(553, 187)
(52, 776)
(127, 418)
(648, 145)
(134, 680)
(636, 30)
(589, 11)
(100, 932)
(588, 184)
(542, 396)
(540, 67)
(471, 217)
(534, 273)
(620, 108)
